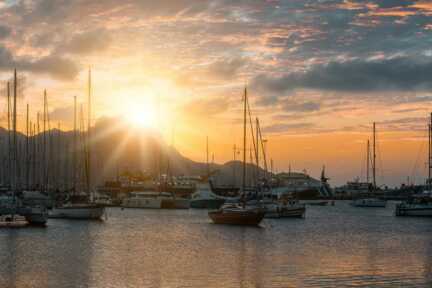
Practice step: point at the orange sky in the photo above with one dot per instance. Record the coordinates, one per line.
(318, 74)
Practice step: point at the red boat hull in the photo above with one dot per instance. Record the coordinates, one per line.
(236, 217)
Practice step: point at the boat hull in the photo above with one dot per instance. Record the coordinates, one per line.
(371, 202)
(37, 216)
(251, 218)
(207, 203)
(402, 210)
(175, 204)
(142, 203)
(78, 212)
(281, 211)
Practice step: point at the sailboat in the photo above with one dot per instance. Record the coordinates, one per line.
(239, 213)
(420, 204)
(15, 213)
(371, 200)
(81, 206)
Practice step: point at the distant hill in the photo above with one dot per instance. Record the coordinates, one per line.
(114, 148)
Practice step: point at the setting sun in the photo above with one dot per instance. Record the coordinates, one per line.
(141, 116)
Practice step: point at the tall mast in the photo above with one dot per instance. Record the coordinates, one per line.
(207, 157)
(44, 144)
(430, 153)
(74, 149)
(14, 124)
(257, 150)
(367, 161)
(9, 133)
(27, 175)
(244, 141)
(89, 134)
(374, 158)
(234, 164)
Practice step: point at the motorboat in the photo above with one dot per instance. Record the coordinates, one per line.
(204, 197)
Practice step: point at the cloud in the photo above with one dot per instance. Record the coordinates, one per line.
(55, 66)
(285, 127)
(87, 42)
(401, 73)
(208, 107)
(5, 31)
(308, 106)
(226, 68)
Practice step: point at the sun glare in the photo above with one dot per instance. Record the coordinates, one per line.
(141, 116)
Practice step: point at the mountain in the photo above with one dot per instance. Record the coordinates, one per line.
(114, 148)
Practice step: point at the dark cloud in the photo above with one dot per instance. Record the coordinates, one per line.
(55, 66)
(87, 42)
(5, 31)
(226, 68)
(284, 127)
(393, 3)
(399, 73)
(308, 106)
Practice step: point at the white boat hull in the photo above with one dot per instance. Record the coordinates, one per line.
(369, 202)
(156, 203)
(284, 211)
(84, 213)
(414, 210)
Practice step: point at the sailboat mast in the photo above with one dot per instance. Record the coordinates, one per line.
(430, 153)
(244, 141)
(234, 164)
(374, 157)
(88, 134)
(9, 133)
(74, 145)
(207, 157)
(14, 124)
(367, 161)
(27, 150)
(257, 149)
(44, 144)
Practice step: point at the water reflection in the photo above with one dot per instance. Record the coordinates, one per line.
(333, 246)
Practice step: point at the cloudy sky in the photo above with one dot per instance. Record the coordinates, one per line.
(318, 74)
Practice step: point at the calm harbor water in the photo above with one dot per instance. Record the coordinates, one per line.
(338, 246)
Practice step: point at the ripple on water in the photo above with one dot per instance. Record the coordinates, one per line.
(337, 246)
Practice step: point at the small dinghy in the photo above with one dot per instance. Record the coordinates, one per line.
(13, 221)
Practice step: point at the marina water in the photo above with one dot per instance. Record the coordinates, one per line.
(338, 246)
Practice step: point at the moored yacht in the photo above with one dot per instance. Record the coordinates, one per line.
(284, 209)
(239, 213)
(78, 207)
(81, 205)
(371, 199)
(204, 197)
(420, 205)
(154, 200)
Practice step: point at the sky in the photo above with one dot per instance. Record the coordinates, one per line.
(318, 74)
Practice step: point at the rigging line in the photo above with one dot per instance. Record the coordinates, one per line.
(380, 162)
(252, 131)
(418, 158)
